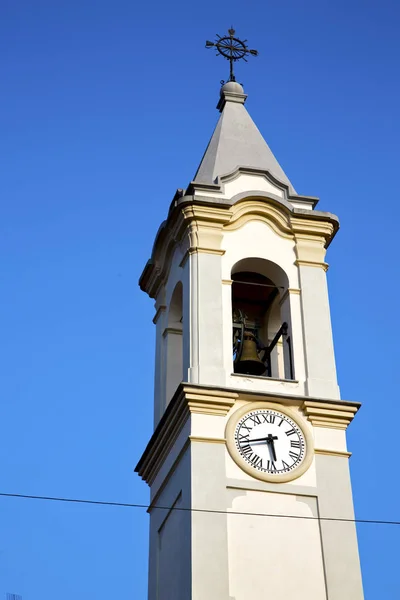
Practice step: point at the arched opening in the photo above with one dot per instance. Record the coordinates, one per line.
(173, 343)
(261, 335)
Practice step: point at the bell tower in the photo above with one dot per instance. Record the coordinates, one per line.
(248, 463)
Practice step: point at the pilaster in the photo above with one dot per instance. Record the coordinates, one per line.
(311, 240)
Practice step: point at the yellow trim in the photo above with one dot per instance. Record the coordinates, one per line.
(334, 415)
(206, 440)
(227, 281)
(340, 453)
(189, 400)
(253, 209)
(288, 292)
(310, 263)
(202, 250)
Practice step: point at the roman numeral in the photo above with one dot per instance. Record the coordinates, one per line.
(290, 432)
(246, 450)
(294, 455)
(243, 437)
(280, 423)
(244, 426)
(271, 465)
(255, 419)
(285, 465)
(294, 444)
(269, 418)
(256, 461)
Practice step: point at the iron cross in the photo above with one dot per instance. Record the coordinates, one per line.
(232, 49)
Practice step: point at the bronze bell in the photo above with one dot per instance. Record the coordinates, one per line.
(249, 362)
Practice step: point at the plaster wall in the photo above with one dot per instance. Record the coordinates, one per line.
(206, 354)
(274, 557)
(342, 563)
(209, 529)
(170, 537)
(317, 333)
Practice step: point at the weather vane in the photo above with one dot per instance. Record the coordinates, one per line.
(232, 49)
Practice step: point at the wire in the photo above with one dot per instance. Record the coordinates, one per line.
(198, 510)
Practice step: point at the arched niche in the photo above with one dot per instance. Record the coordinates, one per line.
(261, 319)
(174, 343)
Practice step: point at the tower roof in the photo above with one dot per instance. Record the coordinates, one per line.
(236, 142)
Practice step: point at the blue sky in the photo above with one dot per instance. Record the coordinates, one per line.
(105, 109)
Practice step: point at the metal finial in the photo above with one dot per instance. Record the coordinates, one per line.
(232, 49)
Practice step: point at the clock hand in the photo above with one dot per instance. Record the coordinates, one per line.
(264, 439)
(270, 440)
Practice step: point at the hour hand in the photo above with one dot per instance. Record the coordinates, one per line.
(273, 451)
(270, 440)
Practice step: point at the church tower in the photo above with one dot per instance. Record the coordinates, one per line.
(248, 463)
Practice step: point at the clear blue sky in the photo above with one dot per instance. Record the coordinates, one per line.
(105, 109)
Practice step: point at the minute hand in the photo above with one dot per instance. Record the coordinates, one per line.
(264, 439)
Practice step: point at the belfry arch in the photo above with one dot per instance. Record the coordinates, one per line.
(260, 322)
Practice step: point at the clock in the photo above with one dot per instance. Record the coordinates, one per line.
(269, 442)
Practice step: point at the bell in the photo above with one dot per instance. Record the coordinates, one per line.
(249, 363)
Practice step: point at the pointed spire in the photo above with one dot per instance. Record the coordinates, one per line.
(236, 142)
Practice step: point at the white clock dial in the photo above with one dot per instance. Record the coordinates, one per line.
(270, 441)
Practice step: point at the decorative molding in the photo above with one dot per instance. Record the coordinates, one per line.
(252, 209)
(184, 259)
(209, 402)
(206, 440)
(334, 415)
(200, 399)
(206, 251)
(186, 400)
(161, 309)
(341, 453)
(318, 226)
(199, 224)
(173, 330)
(263, 486)
(288, 292)
(310, 263)
(173, 467)
(168, 510)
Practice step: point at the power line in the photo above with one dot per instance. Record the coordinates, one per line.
(197, 510)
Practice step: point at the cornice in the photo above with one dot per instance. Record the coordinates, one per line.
(198, 226)
(335, 414)
(310, 263)
(186, 400)
(253, 209)
(339, 453)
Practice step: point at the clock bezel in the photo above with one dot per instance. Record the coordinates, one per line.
(249, 469)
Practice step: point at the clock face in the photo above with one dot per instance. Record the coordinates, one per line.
(270, 442)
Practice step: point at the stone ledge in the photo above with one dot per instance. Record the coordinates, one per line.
(186, 400)
(335, 415)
